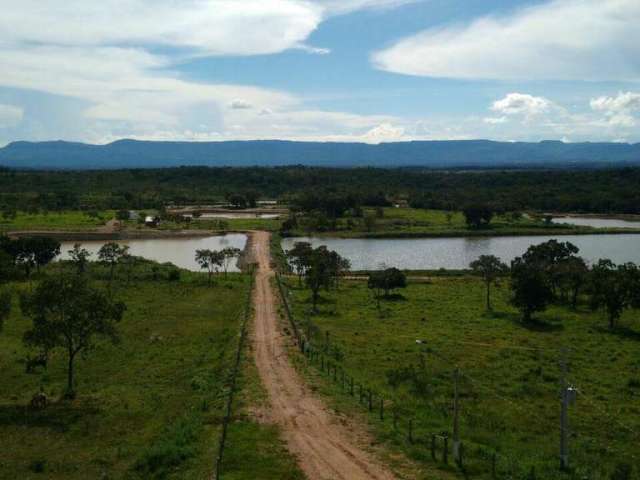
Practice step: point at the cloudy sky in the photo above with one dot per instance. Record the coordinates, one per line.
(344, 70)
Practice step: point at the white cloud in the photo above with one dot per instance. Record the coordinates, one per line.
(561, 39)
(311, 49)
(522, 104)
(619, 109)
(10, 115)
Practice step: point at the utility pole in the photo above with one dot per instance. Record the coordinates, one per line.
(456, 424)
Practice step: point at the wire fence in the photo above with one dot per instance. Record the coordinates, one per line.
(470, 458)
(232, 381)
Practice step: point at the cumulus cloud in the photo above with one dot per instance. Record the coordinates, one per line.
(619, 109)
(561, 39)
(240, 105)
(522, 104)
(10, 115)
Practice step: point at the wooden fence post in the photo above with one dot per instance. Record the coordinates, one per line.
(370, 400)
(352, 386)
(433, 447)
(493, 465)
(445, 450)
(411, 431)
(381, 408)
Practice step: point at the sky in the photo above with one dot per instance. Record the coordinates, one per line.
(323, 70)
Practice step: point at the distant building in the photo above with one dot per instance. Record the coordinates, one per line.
(151, 221)
(133, 215)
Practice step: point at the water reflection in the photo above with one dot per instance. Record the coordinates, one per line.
(456, 253)
(179, 251)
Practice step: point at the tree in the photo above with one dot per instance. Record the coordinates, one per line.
(386, 281)
(299, 258)
(614, 288)
(67, 312)
(123, 215)
(489, 267)
(549, 256)
(210, 260)
(572, 274)
(110, 254)
(319, 273)
(530, 285)
(32, 252)
(80, 258)
(227, 255)
(478, 216)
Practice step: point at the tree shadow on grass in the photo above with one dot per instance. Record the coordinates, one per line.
(621, 331)
(394, 297)
(533, 325)
(58, 417)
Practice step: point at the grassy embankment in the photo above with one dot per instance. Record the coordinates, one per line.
(148, 407)
(411, 222)
(510, 383)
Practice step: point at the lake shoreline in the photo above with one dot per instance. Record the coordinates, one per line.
(129, 234)
(467, 233)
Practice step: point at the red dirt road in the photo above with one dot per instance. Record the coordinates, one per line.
(325, 449)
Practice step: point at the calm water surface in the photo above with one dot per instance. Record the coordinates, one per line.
(597, 222)
(179, 251)
(456, 253)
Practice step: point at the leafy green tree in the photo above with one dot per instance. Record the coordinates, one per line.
(614, 288)
(299, 257)
(385, 281)
(111, 254)
(68, 313)
(489, 268)
(319, 273)
(572, 274)
(123, 215)
(531, 289)
(228, 255)
(209, 260)
(79, 257)
(478, 216)
(549, 257)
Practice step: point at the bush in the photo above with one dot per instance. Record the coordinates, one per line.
(174, 275)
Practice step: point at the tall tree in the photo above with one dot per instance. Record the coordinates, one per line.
(490, 268)
(227, 256)
(69, 313)
(319, 273)
(478, 216)
(80, 258)
(385, 281)
(111, 254)
(299, 257)
(614, 288)
(531, 289)
(209, 260)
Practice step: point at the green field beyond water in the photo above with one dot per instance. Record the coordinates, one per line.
(510, 375)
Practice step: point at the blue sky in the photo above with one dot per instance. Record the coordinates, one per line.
(326, 70)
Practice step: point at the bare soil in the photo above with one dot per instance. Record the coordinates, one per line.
(326, 447)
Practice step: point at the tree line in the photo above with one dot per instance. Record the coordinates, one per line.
(596, 191)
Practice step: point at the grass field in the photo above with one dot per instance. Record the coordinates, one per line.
(148, 407)
(411, 222)
(66, 220)
(510, 382)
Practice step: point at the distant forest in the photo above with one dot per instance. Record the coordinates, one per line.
(597, 191)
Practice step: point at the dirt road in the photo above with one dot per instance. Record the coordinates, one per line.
(326, 449)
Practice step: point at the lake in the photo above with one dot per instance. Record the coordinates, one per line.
(179, 251)
(457, 253)
(597, 222)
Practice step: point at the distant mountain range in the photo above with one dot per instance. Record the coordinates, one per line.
(431, 154)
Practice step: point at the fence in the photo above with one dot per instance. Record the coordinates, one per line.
(233, 377)
(469, 458)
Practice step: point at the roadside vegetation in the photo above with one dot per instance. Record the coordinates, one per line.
(404, 340)
(118, 367)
